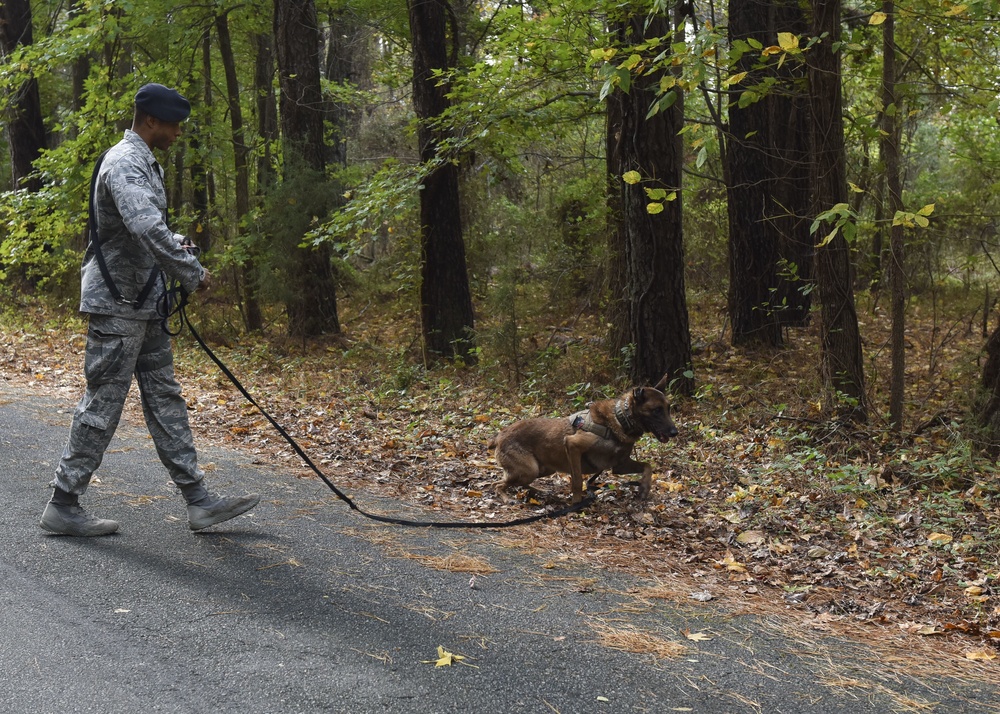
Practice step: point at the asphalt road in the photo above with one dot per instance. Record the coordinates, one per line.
(302, 606)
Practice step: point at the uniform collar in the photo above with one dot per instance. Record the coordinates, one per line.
(140, 145)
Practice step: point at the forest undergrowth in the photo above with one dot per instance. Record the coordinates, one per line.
(763, 502)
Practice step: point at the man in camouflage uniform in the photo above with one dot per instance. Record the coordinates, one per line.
(130, 258)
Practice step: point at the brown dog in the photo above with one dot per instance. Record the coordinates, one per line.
(587, 442)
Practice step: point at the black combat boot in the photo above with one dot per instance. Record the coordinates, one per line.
(64, 515)
(206, 509)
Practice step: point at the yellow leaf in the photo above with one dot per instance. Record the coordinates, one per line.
(735, 79)
(446, 658)
(788, 41)
(829, 237)
(957, 10)
(654, 208)
(730, 563)
(631, 177)
(926, 210)
(982, 655)
(942, 538)
(877, 18)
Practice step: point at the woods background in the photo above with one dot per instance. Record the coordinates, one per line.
(788, 207)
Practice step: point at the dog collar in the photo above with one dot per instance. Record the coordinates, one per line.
(624, 418)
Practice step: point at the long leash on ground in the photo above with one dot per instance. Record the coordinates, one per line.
(167, 310)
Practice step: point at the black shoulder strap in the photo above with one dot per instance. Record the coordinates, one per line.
(95, 240)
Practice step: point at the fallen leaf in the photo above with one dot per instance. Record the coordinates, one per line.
(445, 658)
(730, 563)
(696, 636)
(781, 548)
(981, 655)
(942, 538)
(751, 537)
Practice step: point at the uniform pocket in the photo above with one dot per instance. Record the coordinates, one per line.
(105, 356)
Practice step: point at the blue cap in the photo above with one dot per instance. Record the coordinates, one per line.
(162, 102)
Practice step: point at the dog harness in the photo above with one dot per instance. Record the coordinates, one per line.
(582, 420)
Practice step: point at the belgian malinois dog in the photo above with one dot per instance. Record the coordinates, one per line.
(588, 442)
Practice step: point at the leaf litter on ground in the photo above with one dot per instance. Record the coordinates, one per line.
(763, 494)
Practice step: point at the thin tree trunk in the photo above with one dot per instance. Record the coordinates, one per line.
(789, 204)
(252, 317)
(267, 109)
(889, 149)
(25, 129)
(200, 198)
(753, 249)
(842, 363)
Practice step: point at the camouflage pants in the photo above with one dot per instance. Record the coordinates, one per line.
(117, 349)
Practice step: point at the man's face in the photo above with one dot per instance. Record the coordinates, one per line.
(165, 133)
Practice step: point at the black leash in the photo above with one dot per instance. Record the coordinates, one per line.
(170, 304)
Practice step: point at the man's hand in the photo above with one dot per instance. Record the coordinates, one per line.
(206, 281)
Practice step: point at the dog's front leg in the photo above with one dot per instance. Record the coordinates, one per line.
(645, 484)
(576, 445)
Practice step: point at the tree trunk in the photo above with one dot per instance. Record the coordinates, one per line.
(789, 205)
(252, 317)
(25, 129)
(653, 318)
(312, 307)
(841, 360)
(445, 297)
(267, 109)
(889, 149)
(986, 407)
(348, 62)
(200, 195)
(753, 249)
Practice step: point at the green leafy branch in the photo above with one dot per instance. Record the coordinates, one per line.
(657, 196)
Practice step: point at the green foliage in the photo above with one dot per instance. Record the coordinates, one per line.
(302, 201)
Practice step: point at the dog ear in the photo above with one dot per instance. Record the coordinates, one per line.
(638, 395)
(661, 385)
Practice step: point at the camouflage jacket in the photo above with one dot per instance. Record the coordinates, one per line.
(130, 206)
